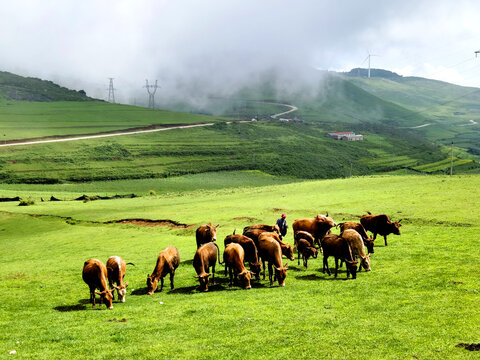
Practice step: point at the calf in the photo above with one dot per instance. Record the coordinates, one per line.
(270, 251)
(206, 257)
(167, 261)
(380, 224)
(116, 268)
(233, 257)
(338, 247)
(95, 276)
(251, 253)
(305, 250)
(206, 233)
(358, 250)
(361, 230)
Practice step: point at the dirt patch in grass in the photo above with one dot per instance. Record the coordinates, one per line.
(469, 347)
(245, 218)
(18, 276)
(148, 222)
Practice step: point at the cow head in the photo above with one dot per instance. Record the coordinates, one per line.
(203, 278)
(288, 252)
(152, 284)
(281, 274)
(352, 267)
(311, 251)
(122, 291)
(245, 277)
(256, 268)
(365, 262)
(107, 297)
(396, 227)
(369, 245)
(211, 231)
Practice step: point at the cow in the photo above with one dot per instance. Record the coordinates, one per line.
(319, 226)
(305, 250)
(254, 234)
(368, 241)
(167, 261)
(251, 253)
(116, 268)
(95, 276)
(380, 224)
(336, 246)
(206, 233)
(204, 258)
(303, 235)
(269, 228)
(287, 249)
(233, 257)
(358, 249)
(270, 251)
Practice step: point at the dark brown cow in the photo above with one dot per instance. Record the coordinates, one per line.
(116, 268)
(319, 226)
(95, 276)
(305, 250)
(206, 257)
(270, 251)
(167, 261)
(380, 224)
(303, 235)
(254, 234)
(233, 257)
(338, 247)
(251, 253)
(269, 228)
(206, 233)
(368, 241)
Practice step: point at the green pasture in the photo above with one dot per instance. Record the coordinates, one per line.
(419, 301)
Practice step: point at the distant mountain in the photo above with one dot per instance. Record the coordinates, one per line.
(15, 87)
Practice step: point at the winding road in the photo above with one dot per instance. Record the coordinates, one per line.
(48, 139)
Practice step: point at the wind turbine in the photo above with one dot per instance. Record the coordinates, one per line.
(368, 57)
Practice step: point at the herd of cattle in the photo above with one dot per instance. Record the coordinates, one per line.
(259, 244)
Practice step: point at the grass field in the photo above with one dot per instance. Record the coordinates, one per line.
(418, 302)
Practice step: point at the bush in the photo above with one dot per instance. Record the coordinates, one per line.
(26, 202)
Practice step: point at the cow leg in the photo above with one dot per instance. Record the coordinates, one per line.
(270, 273)
(336, 267)
(92, 296)
(385, 237)
(213, 275)
(172, 275)
(226, 269)
(110, 284)
(298, 256)
(230, 272)
(161, 284)
(263, 262)
(325, 265)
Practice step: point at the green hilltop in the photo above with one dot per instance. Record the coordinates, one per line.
(327, 102)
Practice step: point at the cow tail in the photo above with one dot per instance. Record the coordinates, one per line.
(218, 252)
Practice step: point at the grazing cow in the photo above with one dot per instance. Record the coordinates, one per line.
(287, 249)
(95, 276)
(206, 257)
(116, 268)
(233, 257)
(369, 242)
(270, 251)
(305, 250)
(254, 234)
(319, 226)
(358, 249)
(303, 235)
(167, 261)
(380, 224)
(269, 228)
(206, 233)
(338, 247)
(251, 253)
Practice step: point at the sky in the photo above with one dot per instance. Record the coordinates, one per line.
(223, 43)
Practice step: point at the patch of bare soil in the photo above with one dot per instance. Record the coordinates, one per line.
(148, 222)
(245, 218)
(469, 347)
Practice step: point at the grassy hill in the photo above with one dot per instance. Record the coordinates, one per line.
(419, 301)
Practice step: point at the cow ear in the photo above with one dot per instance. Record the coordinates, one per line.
(399, 221)
(216, 226)
(126, 284)
(208, 275)
(286, 266)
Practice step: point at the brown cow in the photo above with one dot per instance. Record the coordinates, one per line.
(368, 241)
(206, 233)
(305, 250)
(338, 247)
(380, 224)
(269, 228)
(287, 249)
(116, 268)
(206, 257)
(167, 261)
(270, 251)
(251, 253)
(233, 257)
(358, 248)
(95, 276)
(319, 226)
